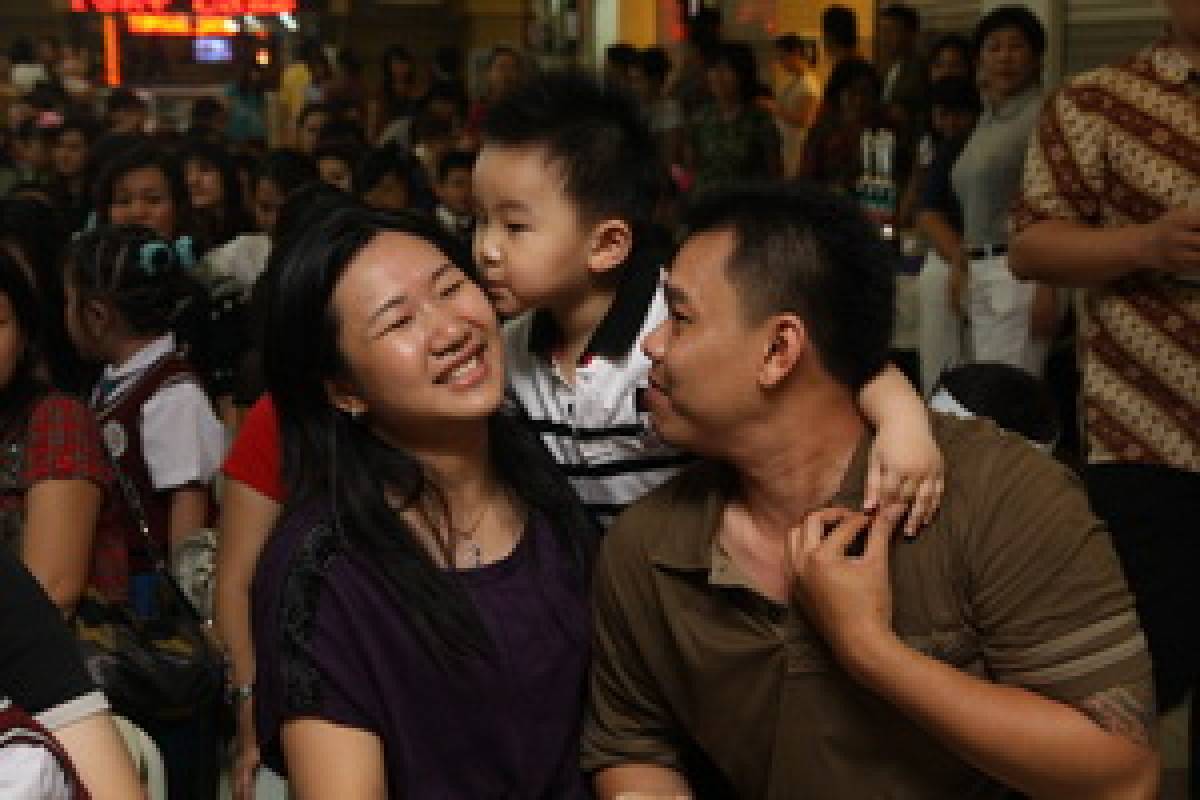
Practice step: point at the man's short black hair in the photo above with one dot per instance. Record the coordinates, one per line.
(1017, 18)
(621, 54)
(955, 94)
(455, 159)
(789, 43)
(123, 99)
(802, 249)
(904, 14)
(655, 63)
(840, 26)
(594, 133)
(206, 109)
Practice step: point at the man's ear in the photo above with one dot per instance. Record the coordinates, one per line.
(344, 396)
(609, 245)
(785, 345)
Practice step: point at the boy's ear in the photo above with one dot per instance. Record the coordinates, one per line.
(343, 396)
(610, 244)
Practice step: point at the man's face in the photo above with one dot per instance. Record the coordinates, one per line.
(894, 39)
(531, 247)
(705, 356)
(308, 131)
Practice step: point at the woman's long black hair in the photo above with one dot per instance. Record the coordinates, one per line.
(18, 395)
(231, 219)
(328, 457)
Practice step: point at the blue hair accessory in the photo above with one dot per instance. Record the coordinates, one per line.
(155, 257)
(185, 252)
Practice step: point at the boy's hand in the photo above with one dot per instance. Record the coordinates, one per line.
(905, 467)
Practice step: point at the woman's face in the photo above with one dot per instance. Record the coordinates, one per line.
(70, 154)
(12, 341)
(503, 74)
(143, 197)
(390, 193)
(949, 62)
(268, 199)
(204, 184)
(723, 83)
(401, 70)
(1007, 63)
(419, 341)
(335, 172)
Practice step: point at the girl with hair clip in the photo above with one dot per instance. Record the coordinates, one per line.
(143, 185)
(127, 290)
(420, 610)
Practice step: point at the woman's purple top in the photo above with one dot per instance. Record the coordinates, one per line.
(332, 643)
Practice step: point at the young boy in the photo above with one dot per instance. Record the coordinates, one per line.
(565, 186)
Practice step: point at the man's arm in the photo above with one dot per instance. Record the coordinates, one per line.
(1056, 234)
(626, 739)
(1032, 741)
(1040, 746)
(1066, 253)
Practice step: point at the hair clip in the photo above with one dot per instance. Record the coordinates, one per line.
(154, 257)
(185, 252)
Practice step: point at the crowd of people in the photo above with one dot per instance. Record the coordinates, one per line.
(552, 432)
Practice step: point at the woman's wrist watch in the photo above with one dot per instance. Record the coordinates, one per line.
(239, 693)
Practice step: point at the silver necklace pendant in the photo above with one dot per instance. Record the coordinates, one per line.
(476, 554)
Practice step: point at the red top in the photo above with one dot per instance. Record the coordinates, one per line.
(61, 443)
(254, 458)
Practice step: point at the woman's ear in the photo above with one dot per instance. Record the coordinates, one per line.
(609, 245)
(344, 397)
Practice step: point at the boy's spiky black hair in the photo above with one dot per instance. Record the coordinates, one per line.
(594, 133)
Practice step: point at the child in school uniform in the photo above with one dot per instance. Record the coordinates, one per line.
(127, 289)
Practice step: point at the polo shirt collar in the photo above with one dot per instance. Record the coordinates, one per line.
(1170, 62)
(617, 333)
(688, 542)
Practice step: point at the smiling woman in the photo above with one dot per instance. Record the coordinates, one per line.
(425, 586)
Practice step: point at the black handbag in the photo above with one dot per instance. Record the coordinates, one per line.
(161, 667)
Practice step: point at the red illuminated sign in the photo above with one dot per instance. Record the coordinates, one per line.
(212, 7)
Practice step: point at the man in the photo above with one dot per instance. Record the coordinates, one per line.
(1111, 205)
(839, 35)
(796, 98)
(904, 88)
(755, 638)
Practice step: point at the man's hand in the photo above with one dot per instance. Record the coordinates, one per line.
(846, 595)
(1172, 242)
